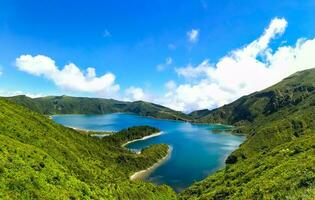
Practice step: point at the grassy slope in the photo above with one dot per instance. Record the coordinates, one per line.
(288, 93)
(277, 160)
(80, 105)
(41, 159)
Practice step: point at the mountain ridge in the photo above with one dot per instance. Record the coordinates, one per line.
(40, 159)
(50, 105)
(276, 161)
(223, 113)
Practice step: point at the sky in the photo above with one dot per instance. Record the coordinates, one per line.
(187, 55)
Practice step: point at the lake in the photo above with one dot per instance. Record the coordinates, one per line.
(198, 149)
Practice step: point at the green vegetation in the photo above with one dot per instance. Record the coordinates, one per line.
(80, 105)
(43, 160)
(131, 133)
(277, 160)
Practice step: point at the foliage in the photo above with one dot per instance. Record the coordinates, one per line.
(275, 162)
(131, 133)
(80, 105)
(277, 159)
(43, 160)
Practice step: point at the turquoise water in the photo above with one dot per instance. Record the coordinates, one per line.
(198, 150)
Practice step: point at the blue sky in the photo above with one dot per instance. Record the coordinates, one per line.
(145, 45)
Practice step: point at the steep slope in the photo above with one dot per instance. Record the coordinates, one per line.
(43, 160)
(277, 160)
(254, 107)
(82, 105)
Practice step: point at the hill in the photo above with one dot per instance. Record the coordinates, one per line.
(254, 107)
(43, 160)
(277, 160)
(82, 105)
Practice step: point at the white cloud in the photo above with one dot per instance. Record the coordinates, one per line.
(193, 35)
(207, 85)
(4, 93)
(190, 72)
(69, 78)
(188, 97)
(134, 94)
(241, 72)
(168, 62)
(170, 85)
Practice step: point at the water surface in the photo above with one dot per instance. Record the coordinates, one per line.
(198, 150)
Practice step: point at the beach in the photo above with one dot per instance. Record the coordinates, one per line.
(98, 134)
(144, 138)
(143, 173)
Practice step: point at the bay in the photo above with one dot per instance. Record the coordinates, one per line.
(197, 149)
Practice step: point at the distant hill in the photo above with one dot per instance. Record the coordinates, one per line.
(40, 159)
(248, 109)
(82, 105)
(277, 161)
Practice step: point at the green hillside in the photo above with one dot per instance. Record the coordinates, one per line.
(277, 161)
(43, 160)
(248, 109)
(82, 105)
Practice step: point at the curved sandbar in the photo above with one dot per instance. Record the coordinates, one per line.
(98, 134)
(144, 138)
(143, 173)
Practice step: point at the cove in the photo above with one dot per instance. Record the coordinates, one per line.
(197, 149)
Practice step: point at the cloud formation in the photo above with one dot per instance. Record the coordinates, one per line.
(241, 72)
(191, 73)
(170, 85)
(6, 93)
(251, 68)
(70, 78)
(193, 35)
(163, 66)
(134, 94)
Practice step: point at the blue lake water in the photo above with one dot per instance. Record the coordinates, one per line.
(198, 150)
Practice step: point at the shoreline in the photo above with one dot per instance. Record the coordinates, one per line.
(174, 120)
(139, 175)
(143, 138)
(90, 131)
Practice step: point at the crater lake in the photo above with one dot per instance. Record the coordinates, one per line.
(197, 149)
